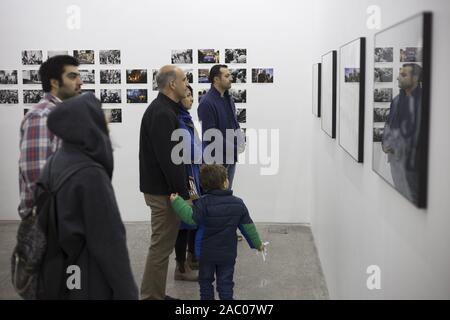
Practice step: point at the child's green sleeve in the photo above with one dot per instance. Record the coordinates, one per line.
(184, 211)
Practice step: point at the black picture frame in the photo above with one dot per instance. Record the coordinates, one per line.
(316, 78)
(328, 95)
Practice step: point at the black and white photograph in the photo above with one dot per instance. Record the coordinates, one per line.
(182, 56)
(203, 75)
(8, 76)
(378, 134)
(9, 96)
(201, 93)
(84, 56)
(328, 93)
(239, 75)
(382, 95)
(109, 56)
(31, 57)
(380, 114)
(87, 76)
(53, 53)
(411, 55)
(235, 55)
(189, 74)
(262, 75)
(32, 96)
(111, 95)
(208, 56)
(137, 96)
(112, 76)
(384, 54)
(238, 95)
(154, 83)
(241, 115)
(352, 74)
(113, 115)
(383, 75)
(31, 77)
(136, 75)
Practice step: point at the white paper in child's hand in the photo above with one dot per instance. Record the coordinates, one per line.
(264, 252)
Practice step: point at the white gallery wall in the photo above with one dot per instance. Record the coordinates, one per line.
(359, 220)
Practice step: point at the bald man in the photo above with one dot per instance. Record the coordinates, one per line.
(159, 177)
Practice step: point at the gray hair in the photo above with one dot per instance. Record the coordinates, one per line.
(163, 78)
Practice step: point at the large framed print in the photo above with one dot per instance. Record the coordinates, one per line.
(328, 93)
(352, 66)
(402, 68)
(316, 89)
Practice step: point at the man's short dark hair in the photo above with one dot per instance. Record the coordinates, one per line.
(416, 70)
(53, 68)
(212, 176)
(215, 72)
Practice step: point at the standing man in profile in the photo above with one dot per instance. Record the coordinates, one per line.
(160, 176)
(60, 81)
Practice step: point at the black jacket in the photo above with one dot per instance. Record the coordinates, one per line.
(87, 212)
(158, 174)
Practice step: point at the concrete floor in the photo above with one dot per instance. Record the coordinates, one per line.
(291, 272)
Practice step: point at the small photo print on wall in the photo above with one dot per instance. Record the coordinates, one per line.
(241, 115)
(235, 55)
(411, 55)
(154, 83)
(380, 114)
(262, 75)
(84, 56)
(189, 75)
(87, 76)
(383, 75)
(182, 56)
(136, 75)
(109, 56)
(383, 95)
(8, 76)
(110, 76)
(111, 95)
(137, 96)
(384, 54)
(352, 75)
(201, 93)
(31, 57)
(31, 77)
(203, 75)
(32, 96)
(208, 56)
(53, 53)
(9, 96)
(238, 95)
(378, 134)
(239, 75)
(113, 115)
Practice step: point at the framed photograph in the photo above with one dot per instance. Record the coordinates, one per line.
(113, 115)
(111, 95)
(203, 75)
(154, 83)
(32, 57)
(137, 96)
(112, 76)
(109, 56)
(235, 55)
(84, 56)
(238, 95)
(201, 93)
(189, 74)
(316, 89)
(52, 53)
(241, 115)
(401, 110)
(136, 75)
(239, 75)
(384, 54)
(182, 56)
(328, 93)
(87, 76)
(262, 75)
(31, 77)
(8, 76)
(352, 84)
(32, 96)
(9, 96)
(208, 56)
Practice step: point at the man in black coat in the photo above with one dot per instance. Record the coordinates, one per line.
(160, 176)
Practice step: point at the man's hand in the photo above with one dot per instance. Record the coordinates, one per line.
(173, 197)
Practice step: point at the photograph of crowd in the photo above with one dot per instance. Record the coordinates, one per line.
(87, 76)
(189, 75)
(32, 96)
(84, 56)
(109, 56)
(136, 95)
(235, 55)
(113, 115)
(378, 134)
(8, 76)
(239, 75)
(9, 96)
(53, 53)
(30, 77)
(201, 93)
(203, 75)
(238, 95)
(380, 114)
(383, 75)
(136, 75)
(208, 56)
(262, 75)
(111, 96)
(31, 57)
(383, 95)
(241, 115)
(182, 56)
(384, 54)
(112, 76)
(352, 75)
(411, 55)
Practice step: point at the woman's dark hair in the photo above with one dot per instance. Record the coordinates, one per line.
(53, 68)
(191, 90)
